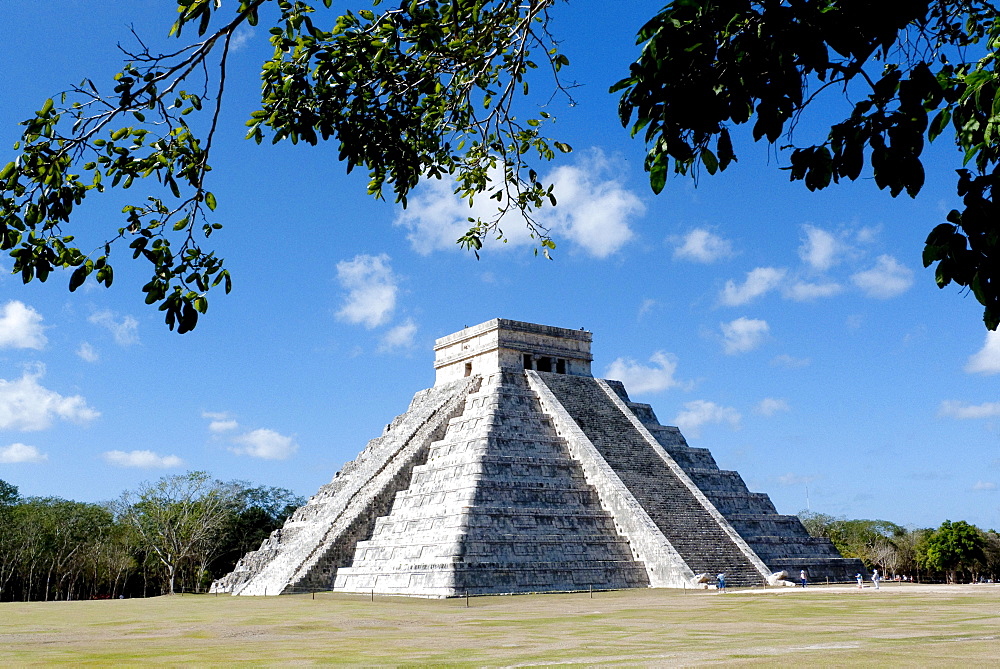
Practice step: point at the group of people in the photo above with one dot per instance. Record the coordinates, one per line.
(875, 579)
(804, 579)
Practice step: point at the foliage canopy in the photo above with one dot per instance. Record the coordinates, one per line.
(181, 531)
(953, 546)
(910, 69)
(420, 89)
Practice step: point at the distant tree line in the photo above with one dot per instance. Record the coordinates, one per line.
(181, 532)
(955, 552)
(176, 534)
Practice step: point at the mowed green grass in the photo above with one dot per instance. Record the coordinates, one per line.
(830, 626)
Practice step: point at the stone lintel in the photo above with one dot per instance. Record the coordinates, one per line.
(502, 344)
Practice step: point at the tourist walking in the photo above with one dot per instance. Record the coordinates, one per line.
(803, 577)
(721, 579)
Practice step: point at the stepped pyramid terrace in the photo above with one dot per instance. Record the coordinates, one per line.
(520, 472)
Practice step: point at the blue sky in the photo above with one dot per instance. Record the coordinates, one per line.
(794, 334)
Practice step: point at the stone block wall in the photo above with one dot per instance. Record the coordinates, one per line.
(498, 507)
(780, 541)
(320, 536)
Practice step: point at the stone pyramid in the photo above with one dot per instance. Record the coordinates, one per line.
(520, 472)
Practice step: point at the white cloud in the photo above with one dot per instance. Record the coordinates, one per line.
(241, 37)
(21, 453)
(789, 362)
(217, 426)
(371, 289)
(435, 217)
(820, 249)
(804, 291)
(887, 279)
(702, 245)
(220, 421)
(987, 360)
(28, 406)
(640, 378)
(265, 444)
(955, 409)
(743, 334)
(867, 235)
(399, 337)
(87, 352)
(770, 406)
(260, 443)
(141, 460)
(758, 282)
(795, 479)
(21, 327)
(984, 485)
(124, 330)
(703, 412)
(647, 306)
(593, 211)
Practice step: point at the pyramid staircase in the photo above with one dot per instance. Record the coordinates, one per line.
(499, 507)
(684, 517)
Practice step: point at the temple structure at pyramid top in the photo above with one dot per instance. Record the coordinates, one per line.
(520, 472)
(502, 344)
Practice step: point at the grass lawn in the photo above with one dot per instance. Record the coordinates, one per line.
(899, 624)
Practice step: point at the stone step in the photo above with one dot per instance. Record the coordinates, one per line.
(511, 496)
(518, 549)
(738, 502)
(455, 580)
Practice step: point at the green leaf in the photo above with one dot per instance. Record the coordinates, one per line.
(78, 277)
(210, 200)
(709, 160)
(658, 176)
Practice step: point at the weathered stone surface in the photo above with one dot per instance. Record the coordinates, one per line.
(683, 514)
(780, 541)
(500, 506)
(519, 472)
(320, 537)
